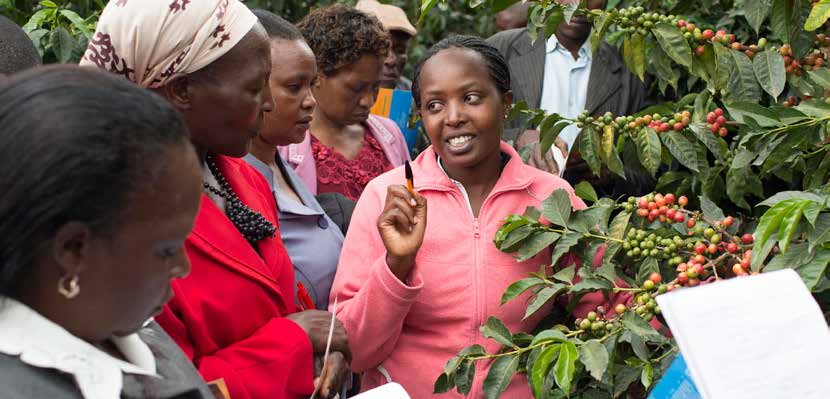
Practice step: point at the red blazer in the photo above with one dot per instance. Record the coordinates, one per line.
(228, 314)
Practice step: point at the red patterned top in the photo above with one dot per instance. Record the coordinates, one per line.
(337, 174)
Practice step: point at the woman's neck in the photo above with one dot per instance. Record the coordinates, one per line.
(480, 179)
(264, 152)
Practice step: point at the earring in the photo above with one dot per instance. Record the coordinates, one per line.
(72, 291)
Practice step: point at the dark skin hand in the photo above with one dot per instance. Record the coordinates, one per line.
(329, 381)
(546, 162)
(316, 325)
(402, 225)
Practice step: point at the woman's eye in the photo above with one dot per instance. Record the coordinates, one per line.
(472, 98)
(167, 252)
(434, 106)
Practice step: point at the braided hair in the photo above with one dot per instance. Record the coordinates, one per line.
(496, 64)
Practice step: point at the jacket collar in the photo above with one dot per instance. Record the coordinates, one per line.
(41, 343)
(214, 227)
(430, 176)
(528, 70)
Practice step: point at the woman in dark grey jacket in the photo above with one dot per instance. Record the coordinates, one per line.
(100, 188)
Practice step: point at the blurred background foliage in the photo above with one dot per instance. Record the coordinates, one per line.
(61, 28)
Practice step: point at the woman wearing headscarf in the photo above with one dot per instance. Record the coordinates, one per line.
(235, 315)
(95, 207)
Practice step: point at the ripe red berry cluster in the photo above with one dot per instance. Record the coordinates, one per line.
(690, 274)
(698, 39)
(659, 207)
(742, 268)
(716, 121)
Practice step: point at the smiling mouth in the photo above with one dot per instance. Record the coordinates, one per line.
(459, 141)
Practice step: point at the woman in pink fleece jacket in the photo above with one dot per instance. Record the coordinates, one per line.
(415, 282)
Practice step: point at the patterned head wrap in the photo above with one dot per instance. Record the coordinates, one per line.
(151, 42)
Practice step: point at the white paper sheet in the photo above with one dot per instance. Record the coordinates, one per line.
(388, 391)
(757, 337)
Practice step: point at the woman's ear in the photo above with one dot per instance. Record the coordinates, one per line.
(507, 100)
(179, 91)
(70, 247)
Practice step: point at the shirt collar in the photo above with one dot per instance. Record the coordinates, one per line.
(553, 44)
(41, 343)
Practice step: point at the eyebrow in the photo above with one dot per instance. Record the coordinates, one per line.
(464, 87)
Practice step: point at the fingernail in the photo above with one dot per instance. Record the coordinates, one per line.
(412, 201)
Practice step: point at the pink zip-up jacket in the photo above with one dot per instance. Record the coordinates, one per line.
(412, 329)
(385, 130)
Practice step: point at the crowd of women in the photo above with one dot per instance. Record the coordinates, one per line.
(176, 211)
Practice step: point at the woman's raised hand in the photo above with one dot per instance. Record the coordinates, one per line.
(402, 225)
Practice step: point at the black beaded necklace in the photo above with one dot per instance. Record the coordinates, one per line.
(253, 226)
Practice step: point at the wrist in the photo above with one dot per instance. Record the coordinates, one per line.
(400, 266)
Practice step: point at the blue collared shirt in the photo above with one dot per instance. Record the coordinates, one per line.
(311, 238)
(565, 86)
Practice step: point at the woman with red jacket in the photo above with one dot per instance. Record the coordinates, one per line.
(234, 316)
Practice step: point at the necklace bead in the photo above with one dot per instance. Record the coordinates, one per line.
(253, 226)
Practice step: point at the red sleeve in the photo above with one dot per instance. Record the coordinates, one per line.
(276, 361)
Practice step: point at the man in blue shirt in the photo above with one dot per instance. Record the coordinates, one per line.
(561, 75)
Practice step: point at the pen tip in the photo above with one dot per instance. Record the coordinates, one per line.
(408, 170)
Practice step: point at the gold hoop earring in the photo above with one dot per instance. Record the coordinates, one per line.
(72, 291)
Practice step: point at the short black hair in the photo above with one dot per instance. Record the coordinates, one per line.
(277, 27)
(17, 52)
(496, 64)
(339, 35)
(77, 144)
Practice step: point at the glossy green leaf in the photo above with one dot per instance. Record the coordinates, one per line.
(640, 327)
(542, 366)
(519, 287)
(821, 77)
(608, 152)
(769, 223)
(634, 54)
(756, 12)
(77, 22)
(501, 372)
(740, 110)
(787, 19)
(815, 108)
(442, 384)
(514, 238)
(426, 5)
(820, 232)
(716, 145)
(62, 44)
(465, 376)
(595, 358)
(496, 330)
(742, 158)
(789, 224)
(565, 366)
(557, 207)
(608, 272)
(681, 148)
(549, 335)
(624, 378)
(585, 191)
(740, 183)
(649, 150)
(565, 275)
(591, 284)
(742, 84)
(36, 20)
(647, 375)
(544, 296)
(601, 25)
(588, 140)
(537, 242)
(549, 135)
(793, 195)
(673, 43)
(818, 15)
